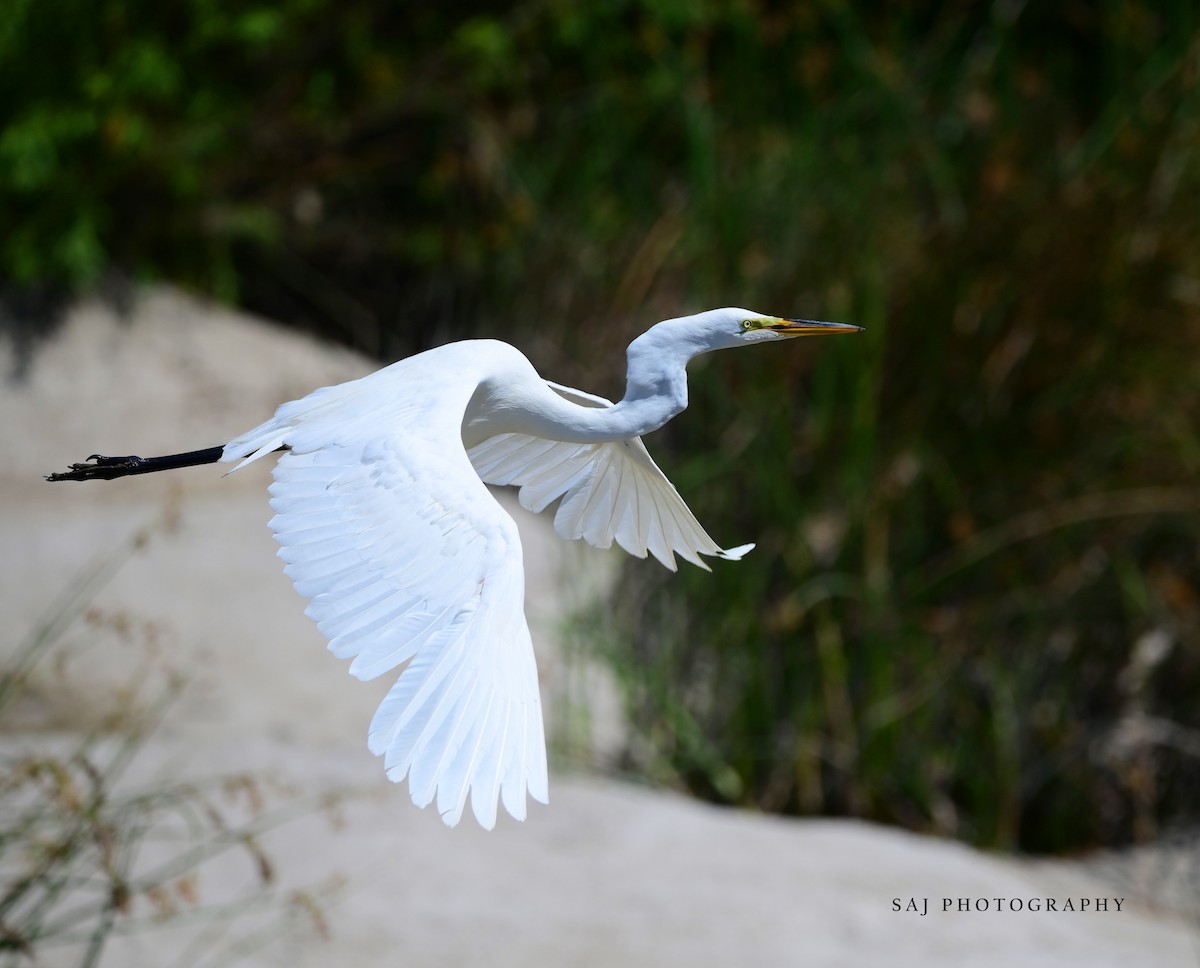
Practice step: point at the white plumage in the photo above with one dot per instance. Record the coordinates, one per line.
(384, 520)
(611, 491)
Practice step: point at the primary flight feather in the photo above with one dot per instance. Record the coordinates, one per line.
(385, 522)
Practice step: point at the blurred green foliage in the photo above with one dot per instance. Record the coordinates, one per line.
(975, 604)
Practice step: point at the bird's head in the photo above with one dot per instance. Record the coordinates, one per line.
(745, 326)
(724, 328)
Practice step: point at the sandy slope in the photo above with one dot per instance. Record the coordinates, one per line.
(608, 874)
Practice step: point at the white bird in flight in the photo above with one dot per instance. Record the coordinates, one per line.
(384, 520)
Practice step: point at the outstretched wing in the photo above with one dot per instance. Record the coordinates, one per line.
(407, 558)
(610, 491)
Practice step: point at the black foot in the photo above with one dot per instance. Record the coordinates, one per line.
(104, 469)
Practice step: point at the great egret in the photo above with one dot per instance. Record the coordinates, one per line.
(386, 526)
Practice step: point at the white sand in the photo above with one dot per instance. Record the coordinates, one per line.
(608, 874)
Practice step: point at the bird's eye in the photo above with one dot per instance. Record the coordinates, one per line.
(747, 324)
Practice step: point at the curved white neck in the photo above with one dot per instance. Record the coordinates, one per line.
(655, 391)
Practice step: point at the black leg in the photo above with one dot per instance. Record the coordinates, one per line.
(100, 468)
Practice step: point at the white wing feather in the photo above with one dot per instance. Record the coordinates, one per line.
(407, 558)
(408, 561)
(610, 491)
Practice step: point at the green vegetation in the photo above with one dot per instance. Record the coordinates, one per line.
(975, 604)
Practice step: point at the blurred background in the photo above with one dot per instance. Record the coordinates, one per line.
(975, 605)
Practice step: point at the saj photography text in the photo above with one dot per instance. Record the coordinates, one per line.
(923, 906)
